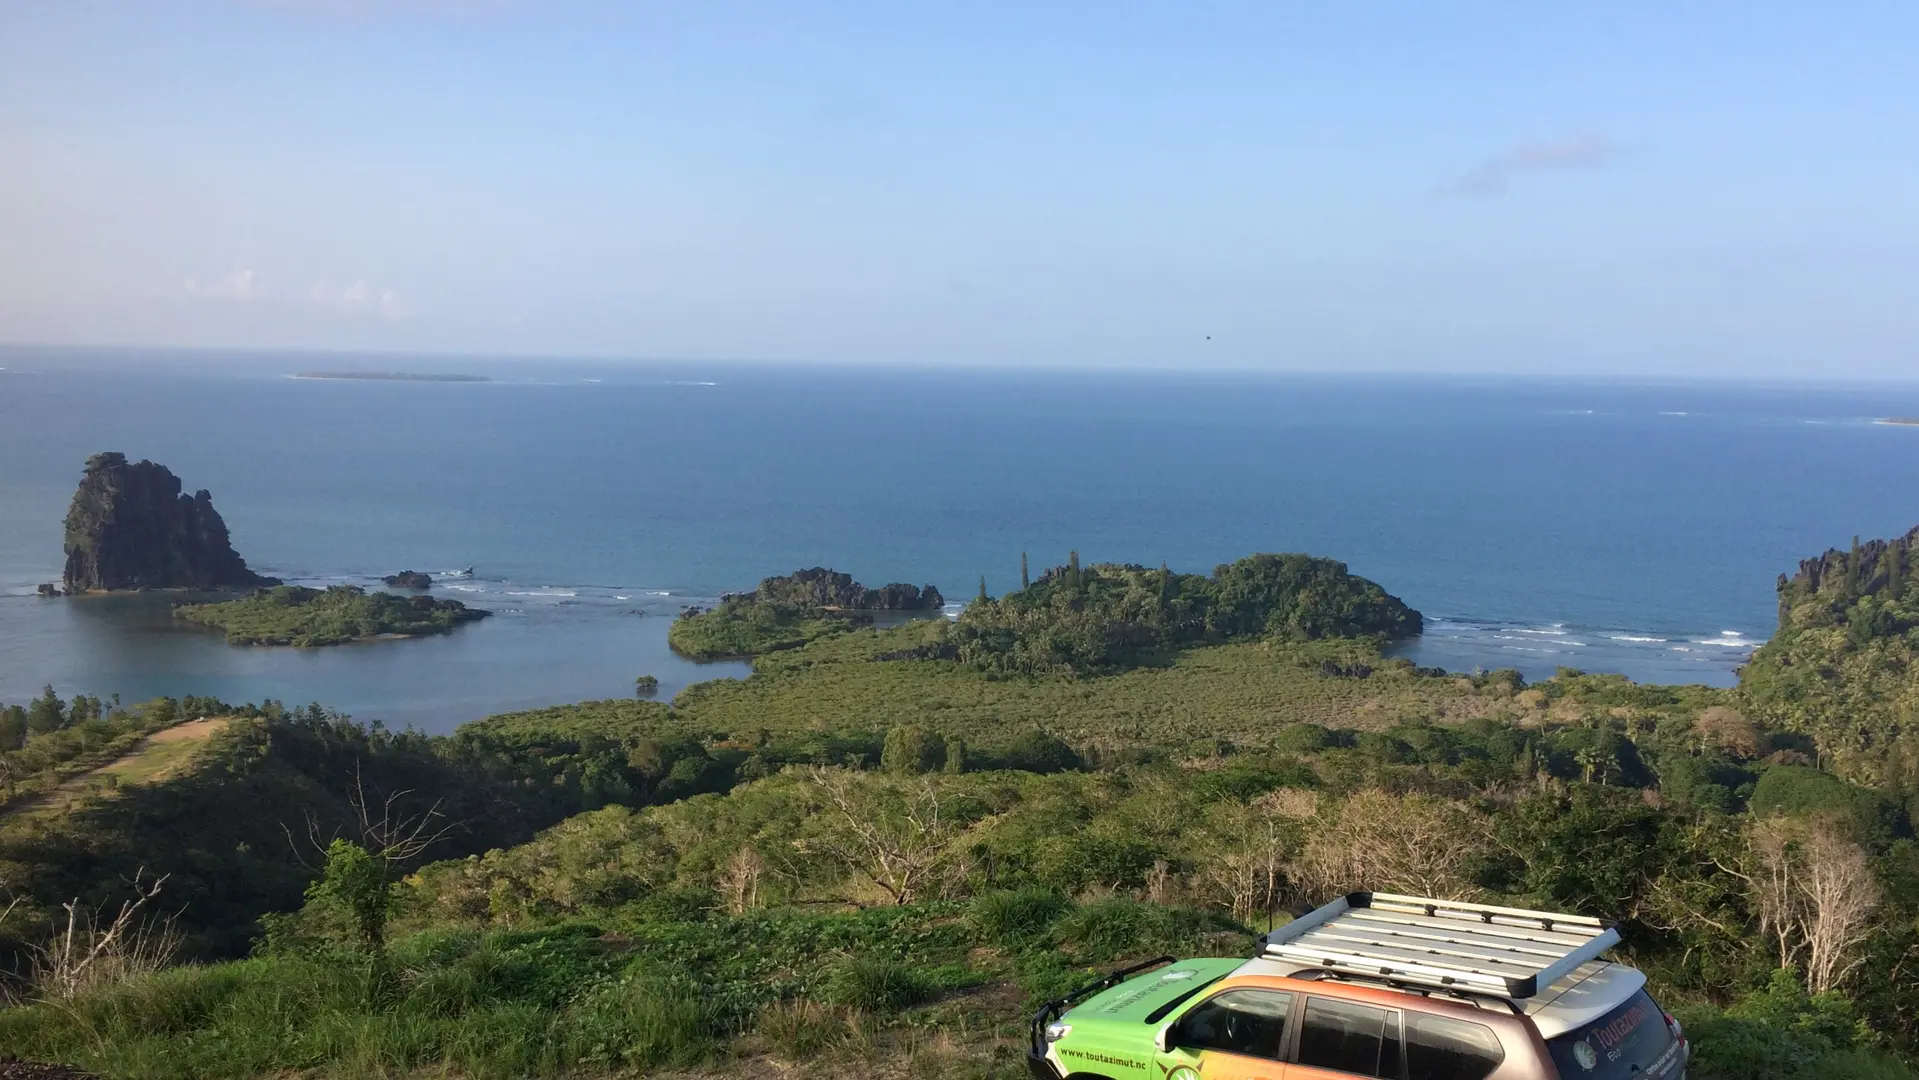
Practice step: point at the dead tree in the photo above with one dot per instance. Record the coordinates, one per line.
(85, 954)
(1816, 893)
(898, 835)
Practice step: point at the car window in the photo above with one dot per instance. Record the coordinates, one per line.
(1442, 1048)
(1351, 1038)
(1630, 1041)
(1250, 1022)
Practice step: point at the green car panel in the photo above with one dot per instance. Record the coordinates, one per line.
(1109, 1034)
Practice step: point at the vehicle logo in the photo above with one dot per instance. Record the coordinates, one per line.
(1182, 1073)
(1585, 1055)
(1174, 976)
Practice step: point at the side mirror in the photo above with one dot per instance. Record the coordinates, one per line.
(1164, 1040)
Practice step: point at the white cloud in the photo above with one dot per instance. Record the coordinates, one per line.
(1490, 177)
(358, 298)
(241, 285)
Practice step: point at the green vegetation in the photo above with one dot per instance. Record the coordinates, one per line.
(875, 855)
(50, 741)
(1840, 667)
(295, 615)
(787, 612)
(1108, 617)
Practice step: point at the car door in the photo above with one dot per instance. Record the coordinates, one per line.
(1236, 1034)
(1340, 1040)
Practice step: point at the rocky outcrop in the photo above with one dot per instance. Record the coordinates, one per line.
(1865, 569)
(409, 579)
(130, 527)
(823, 588)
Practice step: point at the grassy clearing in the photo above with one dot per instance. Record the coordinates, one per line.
(156, 758)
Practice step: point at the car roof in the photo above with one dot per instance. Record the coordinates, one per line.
(1587, 993)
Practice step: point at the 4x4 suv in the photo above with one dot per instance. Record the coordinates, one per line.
(1375, 985)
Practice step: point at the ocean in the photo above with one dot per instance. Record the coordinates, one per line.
(1610, 526)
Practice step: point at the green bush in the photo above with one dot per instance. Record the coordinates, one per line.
(878, 984)
(642, 1024)
(1799, 790)
(1782, 1033)
(801, 1028)
(1037, 751)
(1016, 918)
(1120, 927)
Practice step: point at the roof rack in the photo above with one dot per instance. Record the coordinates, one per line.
(1417, 941)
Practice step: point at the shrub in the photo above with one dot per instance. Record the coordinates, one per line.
(1016, 918)
(1039, 752)
(1123, 927)
(643, 1025)
(912, 749)
(878, 984)
(1303, 738)
(802, 1028)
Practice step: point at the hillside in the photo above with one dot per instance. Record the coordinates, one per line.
(876, 854)
(1840, 668)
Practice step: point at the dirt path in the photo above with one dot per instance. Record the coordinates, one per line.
(163, 755)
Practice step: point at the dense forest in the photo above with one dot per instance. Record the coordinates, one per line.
(877, 853)
(791, 610)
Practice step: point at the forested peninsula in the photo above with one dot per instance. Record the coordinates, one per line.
(878, 853)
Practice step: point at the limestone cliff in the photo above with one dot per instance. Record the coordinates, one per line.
(130, 527)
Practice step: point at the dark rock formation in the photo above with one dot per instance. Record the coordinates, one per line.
(1865, 569)
(1333, 669)
(823, 588)
(409, 579)
(48, 588)
(131, 528)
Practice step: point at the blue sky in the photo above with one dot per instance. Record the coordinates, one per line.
(1714, 188)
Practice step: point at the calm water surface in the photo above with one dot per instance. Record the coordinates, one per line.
(1607, 526)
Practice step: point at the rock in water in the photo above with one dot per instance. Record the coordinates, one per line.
(409, 579)
(131, 528)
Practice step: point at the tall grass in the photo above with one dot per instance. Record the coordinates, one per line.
(1016, 918)
(879, 984)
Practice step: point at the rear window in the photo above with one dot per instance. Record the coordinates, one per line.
(1630, 1041)
(1442, 1048)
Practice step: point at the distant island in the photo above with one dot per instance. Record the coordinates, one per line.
(293, 615)
(1902, 421)
(390, 376)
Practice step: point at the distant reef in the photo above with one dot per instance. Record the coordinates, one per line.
(390, 376)
(1901, 421)
(294, 615)
(130, 527)
(409, 579)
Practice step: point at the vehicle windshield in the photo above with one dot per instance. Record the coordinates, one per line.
(1630, 1041)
